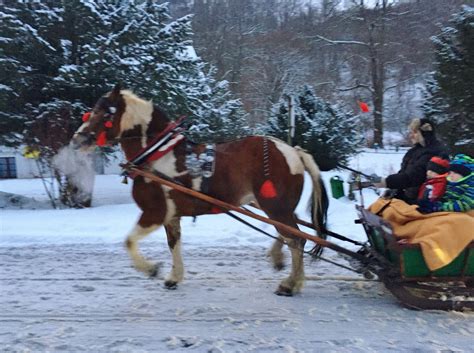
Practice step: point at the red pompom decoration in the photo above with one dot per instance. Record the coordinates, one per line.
(268, 190)
(108, 124)
(86, 116)
(101, 139)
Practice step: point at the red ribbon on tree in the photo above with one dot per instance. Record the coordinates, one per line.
(363, 106)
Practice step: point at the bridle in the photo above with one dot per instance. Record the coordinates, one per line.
(107, 120)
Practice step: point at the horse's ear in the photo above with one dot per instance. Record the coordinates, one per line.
(116, 91)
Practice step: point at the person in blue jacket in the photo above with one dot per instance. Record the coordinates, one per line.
(459, 195)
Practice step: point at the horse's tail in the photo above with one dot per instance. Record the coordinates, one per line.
(319, 201)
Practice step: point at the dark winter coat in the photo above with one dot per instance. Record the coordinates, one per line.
(413, 170)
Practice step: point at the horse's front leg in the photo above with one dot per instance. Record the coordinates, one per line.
(140, 231)
(173, 234)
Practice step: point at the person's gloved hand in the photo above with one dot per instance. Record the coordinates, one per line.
(377, 181)
(427, 206)
(374, 178)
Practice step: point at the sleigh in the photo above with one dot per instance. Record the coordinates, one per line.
(406, 274)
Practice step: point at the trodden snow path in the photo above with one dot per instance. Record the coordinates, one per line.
(86, 297)
(66, 285)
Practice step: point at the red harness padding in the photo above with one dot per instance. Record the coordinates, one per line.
(267, 190)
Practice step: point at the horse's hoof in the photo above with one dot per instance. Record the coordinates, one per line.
(278, 267)
(171, 285)
(153, 271)
(284, 291)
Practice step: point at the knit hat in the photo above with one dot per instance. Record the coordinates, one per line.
(462, 164)
(438, 165)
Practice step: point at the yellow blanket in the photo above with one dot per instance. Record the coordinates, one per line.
(441, 235)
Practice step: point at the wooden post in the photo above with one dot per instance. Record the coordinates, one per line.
(291, 120)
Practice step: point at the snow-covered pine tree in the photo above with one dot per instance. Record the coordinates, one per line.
(136, 44)
(28, 62)
(449, 99)
(75, 51)
(325, 130)
(219, 118)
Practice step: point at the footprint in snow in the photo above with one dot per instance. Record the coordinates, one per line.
(80, 288)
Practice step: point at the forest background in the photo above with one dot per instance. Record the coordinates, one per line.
(355, 69)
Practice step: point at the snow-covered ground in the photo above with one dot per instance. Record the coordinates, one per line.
(67, 286)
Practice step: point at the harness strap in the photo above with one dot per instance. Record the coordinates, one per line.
(319, 257)
(161, 144)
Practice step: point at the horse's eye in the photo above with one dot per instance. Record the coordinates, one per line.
(112, 110)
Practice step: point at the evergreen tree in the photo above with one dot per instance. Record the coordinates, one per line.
(219, 119)
(75, 51)
(450, 92)
(58, 58)
(326, 131)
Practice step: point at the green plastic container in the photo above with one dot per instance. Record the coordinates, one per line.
(337, 187)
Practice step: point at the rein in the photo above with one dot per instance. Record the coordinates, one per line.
(353, 170)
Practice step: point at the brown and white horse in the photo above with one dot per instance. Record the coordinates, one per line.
(241, 169)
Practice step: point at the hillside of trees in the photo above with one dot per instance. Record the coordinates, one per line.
(59, 57)
(346, 50)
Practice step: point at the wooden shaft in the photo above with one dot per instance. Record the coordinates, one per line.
(227, 206)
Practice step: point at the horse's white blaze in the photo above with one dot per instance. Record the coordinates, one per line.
(137, 112)
(292, 158)
(81, 128)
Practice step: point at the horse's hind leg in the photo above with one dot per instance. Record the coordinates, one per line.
(276, 254)
(295, 281)
(173, 234)
(139, 232)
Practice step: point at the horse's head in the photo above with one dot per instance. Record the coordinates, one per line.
(102, 126)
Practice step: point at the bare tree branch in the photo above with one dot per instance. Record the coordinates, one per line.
(357, 86)
(400, 83)
(339, 42)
